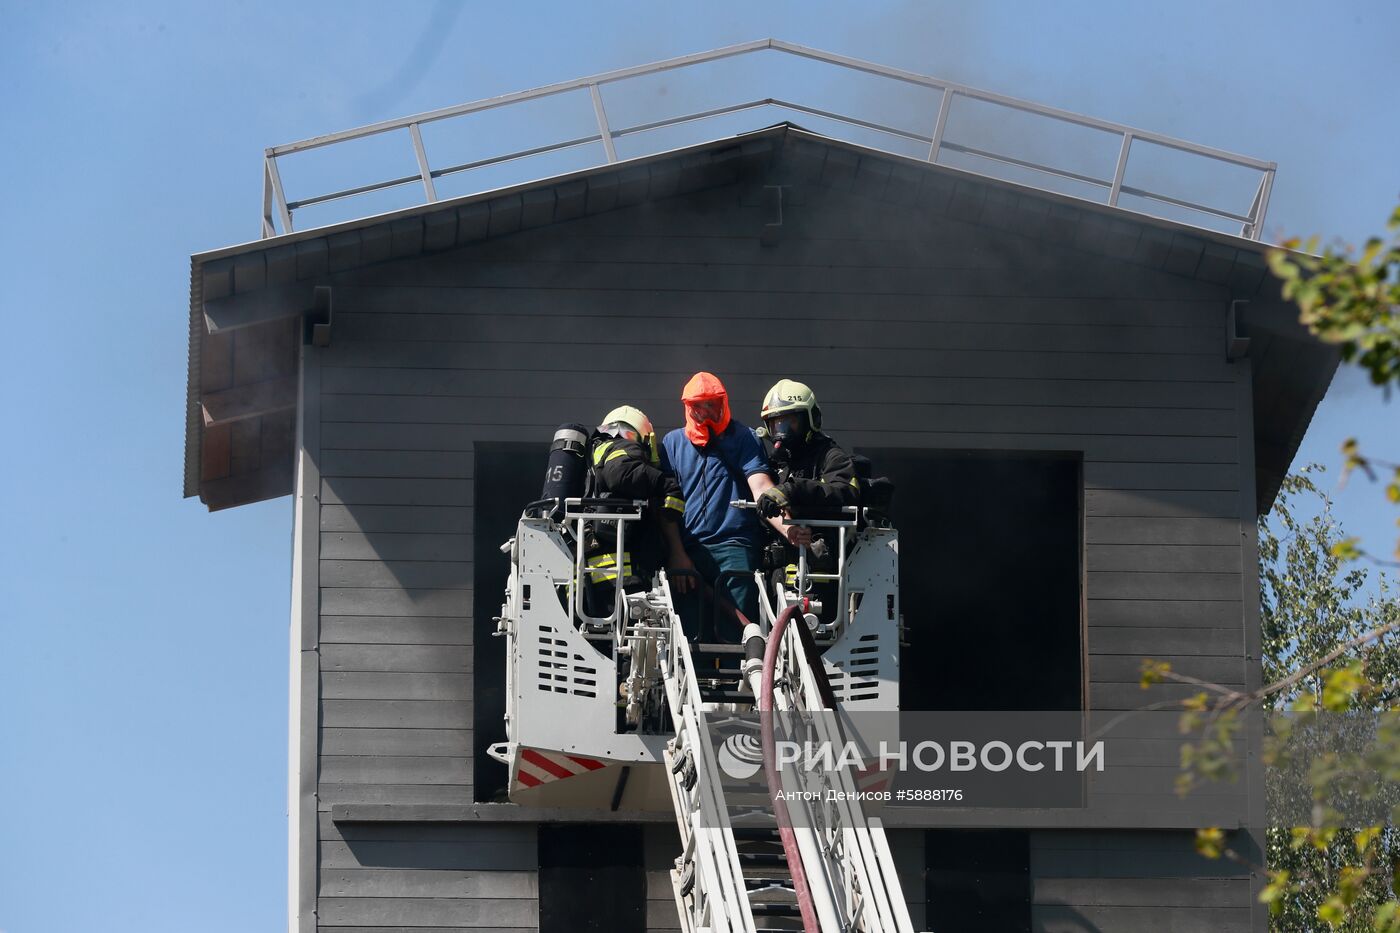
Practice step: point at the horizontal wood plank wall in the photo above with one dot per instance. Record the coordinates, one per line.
(380, 876)
(1146, 882)
(915, 332)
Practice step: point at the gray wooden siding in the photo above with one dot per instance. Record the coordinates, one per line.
(1144, 882)
(915, 333)
(437, 876)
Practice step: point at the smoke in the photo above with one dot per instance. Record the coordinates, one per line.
(415, 65)
(989, 47)
(949, 41)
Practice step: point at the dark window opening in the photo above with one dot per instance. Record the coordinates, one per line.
(507, 476)
(592, 878)
(989, 569)
(977, 880)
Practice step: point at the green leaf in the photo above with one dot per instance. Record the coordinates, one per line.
(1363, 837)
(1332, 911)
(1153, 672)
(1274, 891)
(1387, 918)
(1341, 686)
(1347, 549)
(1210, 842)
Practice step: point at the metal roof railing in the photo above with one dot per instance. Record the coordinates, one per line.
(278, 210)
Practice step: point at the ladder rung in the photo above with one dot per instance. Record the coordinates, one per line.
(755, 834)
(716, 648)
(754, 884)
(719, 679)
(719, 666)
(726, 696)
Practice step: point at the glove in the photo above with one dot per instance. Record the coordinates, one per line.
(773, 502)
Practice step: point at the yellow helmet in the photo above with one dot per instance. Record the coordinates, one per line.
(623, 417)
(790, 396)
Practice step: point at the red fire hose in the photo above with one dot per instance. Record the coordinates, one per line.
(800, 885)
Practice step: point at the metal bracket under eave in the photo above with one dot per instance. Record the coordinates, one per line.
(1236, 347)
(768, 236)
(318, 319)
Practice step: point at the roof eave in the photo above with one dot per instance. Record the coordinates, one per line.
(1209, 255)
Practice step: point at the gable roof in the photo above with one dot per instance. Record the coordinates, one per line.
(257, 298)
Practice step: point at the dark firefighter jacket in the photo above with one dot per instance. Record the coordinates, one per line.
(622, 468)
(819, 474)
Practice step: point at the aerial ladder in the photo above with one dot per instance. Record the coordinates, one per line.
(615, 707)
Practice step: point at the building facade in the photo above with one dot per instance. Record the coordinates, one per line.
(1084, 412)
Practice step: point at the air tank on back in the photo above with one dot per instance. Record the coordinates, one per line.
(566, 474)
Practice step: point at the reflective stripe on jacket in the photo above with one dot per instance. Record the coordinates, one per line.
(622, 468)
(601, 567)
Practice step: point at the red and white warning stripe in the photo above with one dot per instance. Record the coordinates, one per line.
(538, 767)
(874, 776)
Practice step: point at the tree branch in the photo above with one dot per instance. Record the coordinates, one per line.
(1326, 659)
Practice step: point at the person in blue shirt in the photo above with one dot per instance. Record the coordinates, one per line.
(716, 460)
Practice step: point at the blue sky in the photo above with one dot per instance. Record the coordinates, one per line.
(143, 643)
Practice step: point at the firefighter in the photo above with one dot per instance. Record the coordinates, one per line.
(811, 469)
(625, 461)
(717, 460)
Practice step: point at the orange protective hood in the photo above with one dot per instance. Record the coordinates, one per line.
(704, 387)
